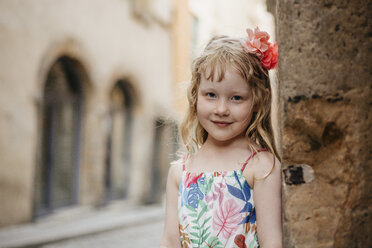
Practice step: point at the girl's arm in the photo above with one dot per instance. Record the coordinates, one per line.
(171, 237)
(267, 200)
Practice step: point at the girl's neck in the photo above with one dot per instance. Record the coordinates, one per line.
(216, 156)
(214, 146)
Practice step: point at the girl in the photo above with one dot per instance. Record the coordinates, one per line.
(226, 192)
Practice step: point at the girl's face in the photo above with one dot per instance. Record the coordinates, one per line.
(224, 109)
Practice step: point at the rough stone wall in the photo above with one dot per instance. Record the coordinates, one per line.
(325, 92)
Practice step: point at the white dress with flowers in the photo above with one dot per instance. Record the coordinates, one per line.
(216, 209)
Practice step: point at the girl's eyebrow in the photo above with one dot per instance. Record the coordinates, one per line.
(239, 92)
(208, 88)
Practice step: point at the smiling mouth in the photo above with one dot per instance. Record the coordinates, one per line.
(221, 123)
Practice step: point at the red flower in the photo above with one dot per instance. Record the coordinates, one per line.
(239, 240)
(258, 43)
(270, 58)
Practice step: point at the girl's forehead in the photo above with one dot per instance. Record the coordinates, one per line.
(231, 81)
(221, 74)
(216, 72)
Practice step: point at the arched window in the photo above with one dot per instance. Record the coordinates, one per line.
(119, 141)
(58, 170)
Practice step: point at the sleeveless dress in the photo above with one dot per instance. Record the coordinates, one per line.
(216, 209)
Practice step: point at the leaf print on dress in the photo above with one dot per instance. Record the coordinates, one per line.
(200, 225)
(216, 194)
(226, 218)
(213, 242)
(244, 194)
(205, 184)
(250, 222)
(216, 226)
(254, 242)
(184, 236)
(193, 195)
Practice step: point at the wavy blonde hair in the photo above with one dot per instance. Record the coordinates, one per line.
(221, 53)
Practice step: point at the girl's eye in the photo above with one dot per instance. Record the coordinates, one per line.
(211, 95)
(236, 98)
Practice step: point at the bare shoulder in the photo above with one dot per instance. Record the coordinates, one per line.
(266, 164)
(175, 171)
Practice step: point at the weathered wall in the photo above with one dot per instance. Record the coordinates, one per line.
(325, 93)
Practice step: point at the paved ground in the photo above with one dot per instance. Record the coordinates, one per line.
(109, 227)
(141, 236)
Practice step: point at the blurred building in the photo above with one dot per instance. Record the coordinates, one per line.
(87, 112)
(232, 18)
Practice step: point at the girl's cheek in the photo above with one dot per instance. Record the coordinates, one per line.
(204, 104)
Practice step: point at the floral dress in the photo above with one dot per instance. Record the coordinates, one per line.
(216, 209)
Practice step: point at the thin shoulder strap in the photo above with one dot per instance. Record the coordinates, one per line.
(246, 162)
(183, 163)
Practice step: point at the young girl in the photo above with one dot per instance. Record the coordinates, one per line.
(226, 191)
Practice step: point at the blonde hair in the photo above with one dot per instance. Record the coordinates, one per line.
(220, 53)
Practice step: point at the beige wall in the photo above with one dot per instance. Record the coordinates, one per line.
(111, 43)
(220, 17)
(181, 41)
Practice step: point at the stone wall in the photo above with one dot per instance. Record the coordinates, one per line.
(325, 99)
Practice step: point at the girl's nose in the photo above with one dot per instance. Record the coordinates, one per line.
(222, 108)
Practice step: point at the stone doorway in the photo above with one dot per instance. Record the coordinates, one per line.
(118, 145)
(57, 173)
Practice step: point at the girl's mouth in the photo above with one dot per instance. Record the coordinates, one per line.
(221, 123)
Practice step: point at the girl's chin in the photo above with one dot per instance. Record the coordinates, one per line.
(225, 139)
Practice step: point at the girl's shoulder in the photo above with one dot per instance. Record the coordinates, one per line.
(176, 170)
(265, 163)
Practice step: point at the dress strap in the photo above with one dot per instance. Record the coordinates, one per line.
(183, 163)
(246, 162)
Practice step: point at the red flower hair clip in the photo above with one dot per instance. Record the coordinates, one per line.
(258, 43)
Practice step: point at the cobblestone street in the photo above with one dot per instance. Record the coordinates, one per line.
(141, 236)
